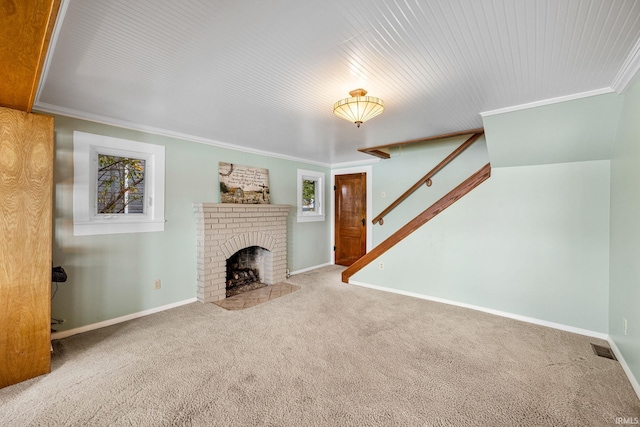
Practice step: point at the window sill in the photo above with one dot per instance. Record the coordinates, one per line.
(111, 227)
(310, 218)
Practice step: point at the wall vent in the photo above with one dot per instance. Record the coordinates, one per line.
(603, 351)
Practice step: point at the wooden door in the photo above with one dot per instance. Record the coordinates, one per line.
(26, 187)
(350, 218)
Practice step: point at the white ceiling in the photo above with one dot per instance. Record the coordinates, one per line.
(264, 74)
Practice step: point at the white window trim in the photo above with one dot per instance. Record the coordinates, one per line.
(318, 215)
(86, 221)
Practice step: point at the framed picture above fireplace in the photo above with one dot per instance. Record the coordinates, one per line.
(243, 184)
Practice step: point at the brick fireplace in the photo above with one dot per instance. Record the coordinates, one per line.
(224, 229)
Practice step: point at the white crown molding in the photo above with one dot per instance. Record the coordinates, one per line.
(54, 109)
(628, 71)
(549, 101)
(68, 112)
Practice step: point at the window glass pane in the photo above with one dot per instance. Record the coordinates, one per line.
(308, 195)
(120, 185)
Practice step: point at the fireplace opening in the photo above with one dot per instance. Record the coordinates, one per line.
(245, 270)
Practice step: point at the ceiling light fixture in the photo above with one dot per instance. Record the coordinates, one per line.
(359, 108)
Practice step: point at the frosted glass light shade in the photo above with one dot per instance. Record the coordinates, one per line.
(359, 108)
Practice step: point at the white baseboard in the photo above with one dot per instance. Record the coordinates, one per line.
(625, 367)
(87, 328)
(315, 267)
(533, 320)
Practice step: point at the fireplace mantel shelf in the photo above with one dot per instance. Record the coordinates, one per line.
(263, 206)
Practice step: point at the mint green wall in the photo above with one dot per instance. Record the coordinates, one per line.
(624, 283)
(409, 164)
(112, 276)
(571, 131)
(531, 240)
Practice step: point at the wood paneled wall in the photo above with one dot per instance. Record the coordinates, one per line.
(26, 188)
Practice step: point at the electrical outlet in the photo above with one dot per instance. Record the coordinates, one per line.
(381, 266)
(157, 284)
(383, 194)
(624, 323)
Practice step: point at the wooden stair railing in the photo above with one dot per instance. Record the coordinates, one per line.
(447, 200)
(427, 178)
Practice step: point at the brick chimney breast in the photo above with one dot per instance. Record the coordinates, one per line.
(224, 229)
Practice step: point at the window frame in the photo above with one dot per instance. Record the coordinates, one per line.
(86, 220)
(319, 213)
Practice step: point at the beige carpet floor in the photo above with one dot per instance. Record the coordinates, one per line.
(328, 355)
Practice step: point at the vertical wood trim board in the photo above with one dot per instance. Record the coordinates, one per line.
(26, 187)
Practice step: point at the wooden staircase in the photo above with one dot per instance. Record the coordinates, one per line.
(447, 200)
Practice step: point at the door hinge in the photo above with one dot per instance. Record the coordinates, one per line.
(334, 249)
(335, 188)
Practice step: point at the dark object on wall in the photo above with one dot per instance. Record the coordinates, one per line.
(58, 274)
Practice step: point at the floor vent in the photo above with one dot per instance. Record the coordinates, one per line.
(603, 351)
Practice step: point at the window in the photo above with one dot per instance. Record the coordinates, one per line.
(118, 185)
(310, 196)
